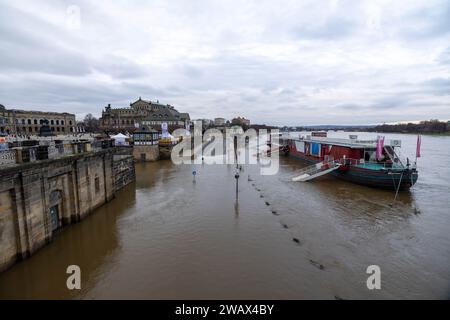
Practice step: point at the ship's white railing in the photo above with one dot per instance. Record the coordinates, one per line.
(350, 142)
(362, 162)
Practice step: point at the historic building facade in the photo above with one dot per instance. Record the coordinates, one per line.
(240, 121)
(29, 122)
(142, 113)
(219, 121)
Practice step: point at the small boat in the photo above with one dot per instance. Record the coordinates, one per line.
(366, 162)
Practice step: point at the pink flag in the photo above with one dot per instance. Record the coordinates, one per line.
(380, 146)
(419, 142)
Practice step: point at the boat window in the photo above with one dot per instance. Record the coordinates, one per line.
(370, 155)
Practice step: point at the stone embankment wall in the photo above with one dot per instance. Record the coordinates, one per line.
(36, 199)
(123, 171)
(146, 153)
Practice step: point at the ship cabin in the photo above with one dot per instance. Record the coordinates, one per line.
(352, 151)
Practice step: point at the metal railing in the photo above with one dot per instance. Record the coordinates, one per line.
(50, 150)
(381, 165)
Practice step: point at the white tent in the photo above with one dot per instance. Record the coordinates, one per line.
(120, 139)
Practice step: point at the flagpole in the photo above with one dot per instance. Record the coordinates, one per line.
(419, 142)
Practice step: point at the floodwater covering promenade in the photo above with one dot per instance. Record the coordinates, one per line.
(166, 236)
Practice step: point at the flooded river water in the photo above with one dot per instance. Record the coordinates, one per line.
(165, 236)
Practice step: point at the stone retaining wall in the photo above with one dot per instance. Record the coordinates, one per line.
(38, 198)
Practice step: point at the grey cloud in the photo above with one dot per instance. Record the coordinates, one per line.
(439, 85)
(119, 68)
(191, 71)
(34, 46)
(390, 102)
(431, 22)
(444, 57)
(350, 106)
(332, 29)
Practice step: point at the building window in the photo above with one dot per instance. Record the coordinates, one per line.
(57, 129)
(29, 121)
(30, 129)
(23, 121)
(70, 122)
(62, 122)
(35, 121)
(52, 122)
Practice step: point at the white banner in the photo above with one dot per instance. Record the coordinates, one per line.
(165, 132)
(300, 146)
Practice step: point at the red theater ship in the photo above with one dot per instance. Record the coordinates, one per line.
(366, 162)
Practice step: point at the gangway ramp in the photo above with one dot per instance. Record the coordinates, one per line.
(316, 170)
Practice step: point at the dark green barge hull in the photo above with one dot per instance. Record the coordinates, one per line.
(385, 178)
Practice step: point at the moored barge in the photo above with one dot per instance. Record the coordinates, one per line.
(366, 162)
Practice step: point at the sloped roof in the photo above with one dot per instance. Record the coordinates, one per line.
(119, 136)
(163, 112)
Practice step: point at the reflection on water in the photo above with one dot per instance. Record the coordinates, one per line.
(167, 236)
(90, 244)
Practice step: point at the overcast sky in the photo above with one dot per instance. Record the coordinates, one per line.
(275, 62)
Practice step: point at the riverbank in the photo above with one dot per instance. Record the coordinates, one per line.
(38, 198)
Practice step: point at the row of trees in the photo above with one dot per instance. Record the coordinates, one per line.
(91, 123)
(431, 126)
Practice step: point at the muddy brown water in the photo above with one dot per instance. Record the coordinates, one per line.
(165, 236)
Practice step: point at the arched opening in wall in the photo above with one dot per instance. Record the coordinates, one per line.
(55, 209)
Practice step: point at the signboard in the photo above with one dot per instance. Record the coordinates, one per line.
(164, 129)
(3, 144)
(396, 143)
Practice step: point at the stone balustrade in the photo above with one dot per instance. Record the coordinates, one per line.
(42, 150)
(7, 157)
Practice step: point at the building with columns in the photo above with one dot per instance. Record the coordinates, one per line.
(142, 113)
(13, 121)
